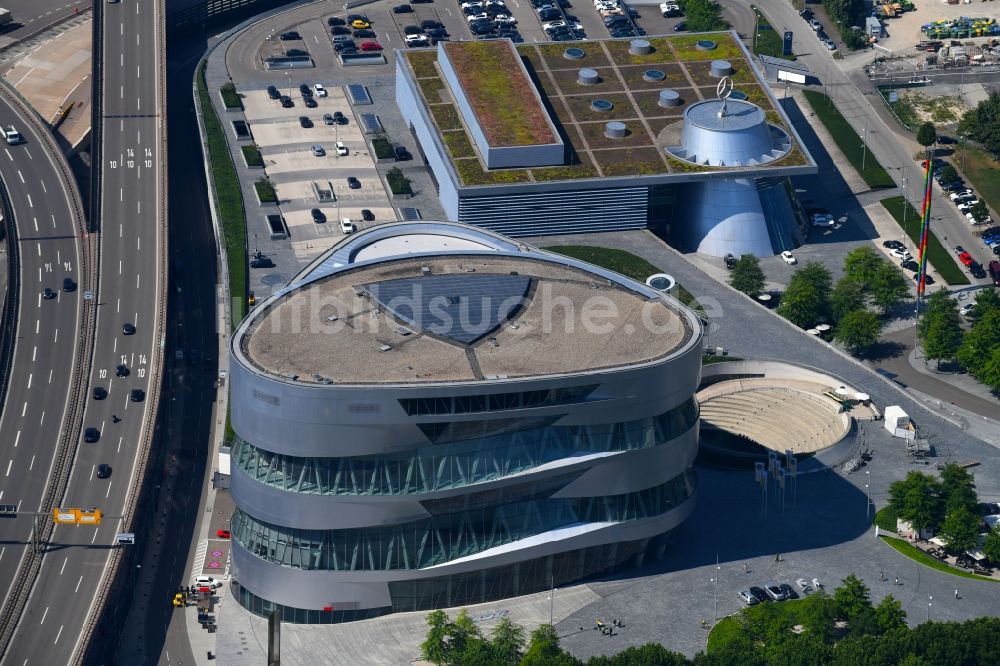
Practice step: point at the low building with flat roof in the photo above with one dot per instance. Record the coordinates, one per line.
(535, 139)
(433, 415)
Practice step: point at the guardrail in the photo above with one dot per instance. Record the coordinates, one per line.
(24, 581)
(156, 359)
(8, 323)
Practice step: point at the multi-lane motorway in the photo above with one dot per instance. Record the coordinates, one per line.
(132, 249)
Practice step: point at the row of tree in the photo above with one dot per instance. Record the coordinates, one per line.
(870, 287)
(844, 629)
(946, 506)
(944, 338)
(848, 13)
(982, 124)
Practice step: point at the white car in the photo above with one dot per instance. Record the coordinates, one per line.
(466, 5)
(416, 40)
(828, 43)
(966, 206)
(967, 309)
(804, 585)
(962, 193)
(342, 150)
(902, 255)
(613, 3)
(347, 226)
(509, 20)
(822, 220)
(554, 25)
(478, 17)
(788, 258)
(605, 5)
(815, 25)
(207, 581)
(320, 90)
(747, 598)
(972, 219)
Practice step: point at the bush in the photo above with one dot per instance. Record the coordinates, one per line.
(252, 156)
(265, 191)
(230, 98)
(382, 148)
(398, 183)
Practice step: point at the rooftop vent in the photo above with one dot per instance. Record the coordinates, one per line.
(721, 68)
(588, 77)
(615, 130)
(653, 76)
(332, 318)
(705, 45)
(601, 105)
(402, 330)
(574, 53)
(385, 348)
(426, 270)
(640, 47)
(669, 98)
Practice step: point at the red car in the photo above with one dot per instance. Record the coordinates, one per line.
(965, 258)
(222, 534)
(371, 46)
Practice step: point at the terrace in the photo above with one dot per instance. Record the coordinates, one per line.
(625, 88)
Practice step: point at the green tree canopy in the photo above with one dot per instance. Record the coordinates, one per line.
(989, 372)
(958, 487)
(806, 300)
(982, 124)
(940, 327)
(747, 276)
(991, 545)
(704, 16)
(949, 174)
(890, 614)
(861, 264)
(851, 598)
(960, 529)
(889, 288)
(858, 330)
(544, 650)
(847, 295)
(979, 343)
(926, 134)
(918, 498)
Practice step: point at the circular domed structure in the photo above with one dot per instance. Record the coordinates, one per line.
(588, 77)
(615, 130)
(725, 132)
(669, 98)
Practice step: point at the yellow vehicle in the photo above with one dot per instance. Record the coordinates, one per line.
(179, 600)
(251, 299)
(358, 24)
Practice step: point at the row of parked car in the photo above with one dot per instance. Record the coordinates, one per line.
(343, 32)
(490, 19)
(777, 591)
(618, 18)
(807, 16)
(428, 33)
(963, 196)
(906, 261)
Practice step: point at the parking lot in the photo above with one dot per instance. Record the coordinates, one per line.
(300, 177)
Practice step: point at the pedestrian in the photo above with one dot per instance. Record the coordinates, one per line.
(881, 575)
(746, 567)
(956, 594)
(896, 581)
(114, 418)
(777, 557)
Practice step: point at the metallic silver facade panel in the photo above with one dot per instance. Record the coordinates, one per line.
(718, 217)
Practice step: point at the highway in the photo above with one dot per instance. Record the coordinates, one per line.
(50, 229)
(73, 574)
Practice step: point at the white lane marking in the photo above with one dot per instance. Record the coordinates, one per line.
(30, 375)
(121, 30)
(119, 267)
(122, 437)
(17, 438)
(28, 153)
(121, 92)
(41, 420)
(30, 202)
(34, 352)
(50, 376)
(121, 59)
(94, 538)
(9, 463)
(78, 585)
(121, 194)
(21, 176)
(44, 189)
(118, 308)
(58, 634)
(38, 322)
(32, 463)
(115, 350)
(92, 468)
(53, 220)
(137, 72)
(25, 408)
(56, 337)
(63, 568)
(137, 281)
(106, 495)
(2, 551)
(35, 219)
(44, 615)
(138, 242)
(9, 156)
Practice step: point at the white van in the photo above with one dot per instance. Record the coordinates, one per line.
(342, 150)
(347, 226)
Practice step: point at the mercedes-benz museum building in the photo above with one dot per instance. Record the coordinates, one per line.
(433, 415)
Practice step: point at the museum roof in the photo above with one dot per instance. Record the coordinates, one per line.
(456, 315)
(626, 89)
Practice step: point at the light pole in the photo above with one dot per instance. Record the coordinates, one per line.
(929, 600)
(868, 493)
(718, 571)
(864, 145)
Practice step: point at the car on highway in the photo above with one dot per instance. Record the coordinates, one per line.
(360, 24)
(965, 258)
(128, 329)
(273, 93)
(789, 258)
(318, 150)
(68, 284)
(223, 534)
(291, 35)
(48, 294)
(774, 591)
(286, 102)
(367, 215)
(347, 226)
(319, 89)
(353, 183)
(100, 393)
(317, 216)
(747, 598)
(402, 9)
(91, 435)
(304, 122)
(121, 370)
(103, 471)
(137, 395)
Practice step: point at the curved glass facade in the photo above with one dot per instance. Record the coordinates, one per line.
(448, 536)
(530, 576)
(457, 464)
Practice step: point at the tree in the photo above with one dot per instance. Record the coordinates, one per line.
(949, 174)
(978, 344)
(926, 134)
(982, 124)
(847, 295)
(704, 16)
(747, 276)
(435, 647)
(450, 642)
(889, 288)
(544, 650)
(960, 529)
(862, 264)
(806, 301)
(940, 327)
(818, 614)
(858, 330)
(507, 643)
(851, 598)
(980, 213)
(991, 546)
(918, 499)
(987, 300)
(890, 614)
(958, 488)
(989, 372)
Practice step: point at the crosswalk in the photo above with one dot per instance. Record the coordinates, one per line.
(199, 558)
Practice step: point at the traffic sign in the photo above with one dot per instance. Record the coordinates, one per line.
(125, 538)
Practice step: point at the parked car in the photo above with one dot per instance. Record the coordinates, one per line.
(364, 34)
(304, 122)
(967, 310)
(347, 226)
(291, 35)
(342, 150)
(893, 245)
(416, 40)
(819, 220)
(335, 21)
(317, 216)
(788, 591)
(815, 25)
(286, 102)
(965, 258)
(909, 265)
(803, 585)
(223, 534)
(367, 215)
(319, 89)
(789, 258)
(340, 30)
(339, 118)
(261, 262)
(747, 598)
(327, 119)
(359, 23)
(774, 591)
(310, 103)
(902, 254)
(402, 9)
(401, 154)
(318, 150)
(759, 593)
(353, 183)
(413, 30)
(371, 46)
(273, 93)
(977, 271)
(927, 278)
(681, 27)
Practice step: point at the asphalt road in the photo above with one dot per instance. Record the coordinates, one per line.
(74, 568)
(40, 375)
(30, 16)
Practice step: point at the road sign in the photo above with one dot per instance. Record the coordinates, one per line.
(76, 516)
(125, 538)
(786, 43)
(89, 517)
(88, 295)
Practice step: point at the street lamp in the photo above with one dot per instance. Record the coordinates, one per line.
(929, 599)
(868, 493)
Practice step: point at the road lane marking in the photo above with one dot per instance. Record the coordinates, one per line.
(119, 267)
(118, 308)
(9, 156)
(53, 220)
(32, 463)
(38, 322)
(9, 463)
(24, 409)
(63, 568)
(50, 376)
(58, 634)
(34, 352)
(92, 468)
(44, 189)
(121, 92)
(30, 375)
(30, 202)
(28, 153)
(2, 551)
(35, 219)
(122, 437)
(44, 615)
(21, 176)
(136, 281)
(17, 438)
(94, 538)
(106, 495)
(56, 337)
(41, 420)
(121, 230)
(78, 585)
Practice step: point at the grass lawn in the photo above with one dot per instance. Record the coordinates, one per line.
(768, 40)
(981, 171)
(885, 518)
(937, 255)
(848, 141)
(265, 191)
(781, 614)
(622, 262)
(229, 202)
(252, 156)
(725, 631)
(230, 98)
(920, 556)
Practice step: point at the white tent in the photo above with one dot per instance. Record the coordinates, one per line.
(898, 422)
